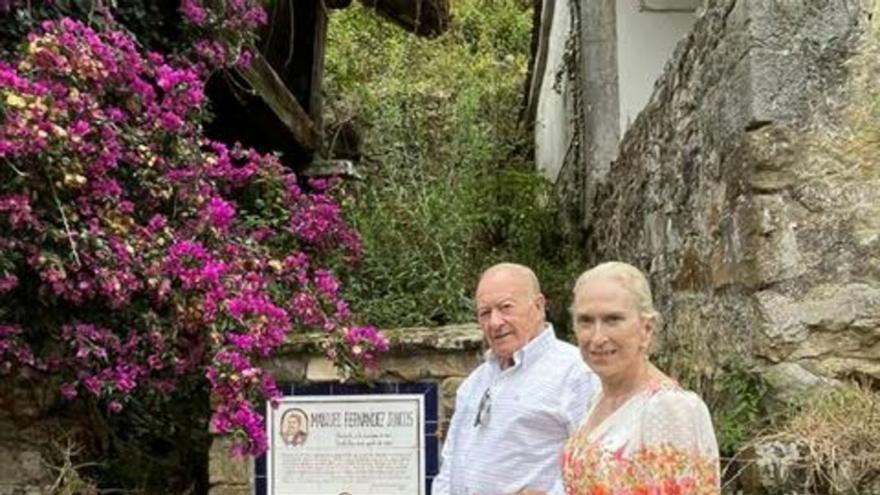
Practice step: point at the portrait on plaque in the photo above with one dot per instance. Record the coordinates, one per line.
(347, 444)
(294, 427)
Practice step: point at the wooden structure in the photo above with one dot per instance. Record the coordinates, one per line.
(276, 103)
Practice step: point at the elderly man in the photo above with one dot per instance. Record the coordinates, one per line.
(514, 413)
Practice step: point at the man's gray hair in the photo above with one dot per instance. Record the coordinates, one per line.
(533, 286)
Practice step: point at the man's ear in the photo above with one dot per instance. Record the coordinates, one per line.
(541, 304)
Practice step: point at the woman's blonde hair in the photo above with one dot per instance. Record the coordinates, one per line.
(630, 278)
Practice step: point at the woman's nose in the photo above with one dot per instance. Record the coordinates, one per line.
(599, 334)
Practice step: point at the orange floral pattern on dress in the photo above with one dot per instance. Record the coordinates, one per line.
(590, 467)
(659, 470)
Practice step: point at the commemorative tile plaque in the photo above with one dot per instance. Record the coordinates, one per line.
(347, 445)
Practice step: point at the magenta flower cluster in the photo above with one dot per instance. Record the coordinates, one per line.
(221, 33)
(224, 30)
(159, 254)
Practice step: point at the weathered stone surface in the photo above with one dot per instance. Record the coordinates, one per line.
(749, 185)
(422, 366)
(445, 338)
(23, 490)
(231, 490)
(227, 469)
(791, 381)
(286, 368)
(321, 369)
(847, 367)
(829, 320)
(21, 466)
(780, 323)
(776, 467)
(25, 401)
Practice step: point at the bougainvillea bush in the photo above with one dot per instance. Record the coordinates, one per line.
(136, 254)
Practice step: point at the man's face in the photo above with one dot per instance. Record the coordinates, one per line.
(293, 423)
(507, 314)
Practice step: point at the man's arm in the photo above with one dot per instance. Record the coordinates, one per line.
(579, 387)
(442, 483)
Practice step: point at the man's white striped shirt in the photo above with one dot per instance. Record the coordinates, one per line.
(528, 412)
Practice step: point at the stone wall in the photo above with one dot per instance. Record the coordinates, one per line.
(24, 408)
(39, 431)
(443, 355)
(749, 188)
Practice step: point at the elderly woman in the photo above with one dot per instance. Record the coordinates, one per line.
(643, 434)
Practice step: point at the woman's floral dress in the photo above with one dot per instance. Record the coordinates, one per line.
(659, 442)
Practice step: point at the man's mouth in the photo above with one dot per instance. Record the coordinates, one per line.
(502, 335)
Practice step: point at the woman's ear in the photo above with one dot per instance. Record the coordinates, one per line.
(650, 325)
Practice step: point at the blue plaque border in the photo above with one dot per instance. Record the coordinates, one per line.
(428, 390)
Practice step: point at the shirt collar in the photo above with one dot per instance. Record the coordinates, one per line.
(531, 351)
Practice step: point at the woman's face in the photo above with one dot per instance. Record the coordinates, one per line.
(612, 335)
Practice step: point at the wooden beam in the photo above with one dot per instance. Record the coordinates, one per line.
(316, 83)
(427, 18)
(272, 90)
(337, 4)
(541, 43)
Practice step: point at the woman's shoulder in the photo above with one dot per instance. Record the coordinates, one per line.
(667, 398)
(678, 416)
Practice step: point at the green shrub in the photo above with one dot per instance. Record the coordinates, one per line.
(450, 186)
(699, 352)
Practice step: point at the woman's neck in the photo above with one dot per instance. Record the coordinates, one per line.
(629, 383)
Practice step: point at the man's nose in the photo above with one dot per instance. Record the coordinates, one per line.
(495, 318)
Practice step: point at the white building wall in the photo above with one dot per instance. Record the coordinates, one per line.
(553, 131)
(645, 42)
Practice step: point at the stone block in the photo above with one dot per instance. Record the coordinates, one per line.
(780, 323)
(231, 490)
(774, 466)
(847, 367)
(775, 241)
(321, 369)
(21, 465)
(286, 368)
(226, 469)
(434, 366)
(25, 401)
(839, 307)
(789, 382)
(23, 489)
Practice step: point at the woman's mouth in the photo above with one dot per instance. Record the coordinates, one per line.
(603, 354)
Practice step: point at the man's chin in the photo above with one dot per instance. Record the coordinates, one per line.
(504, 355)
